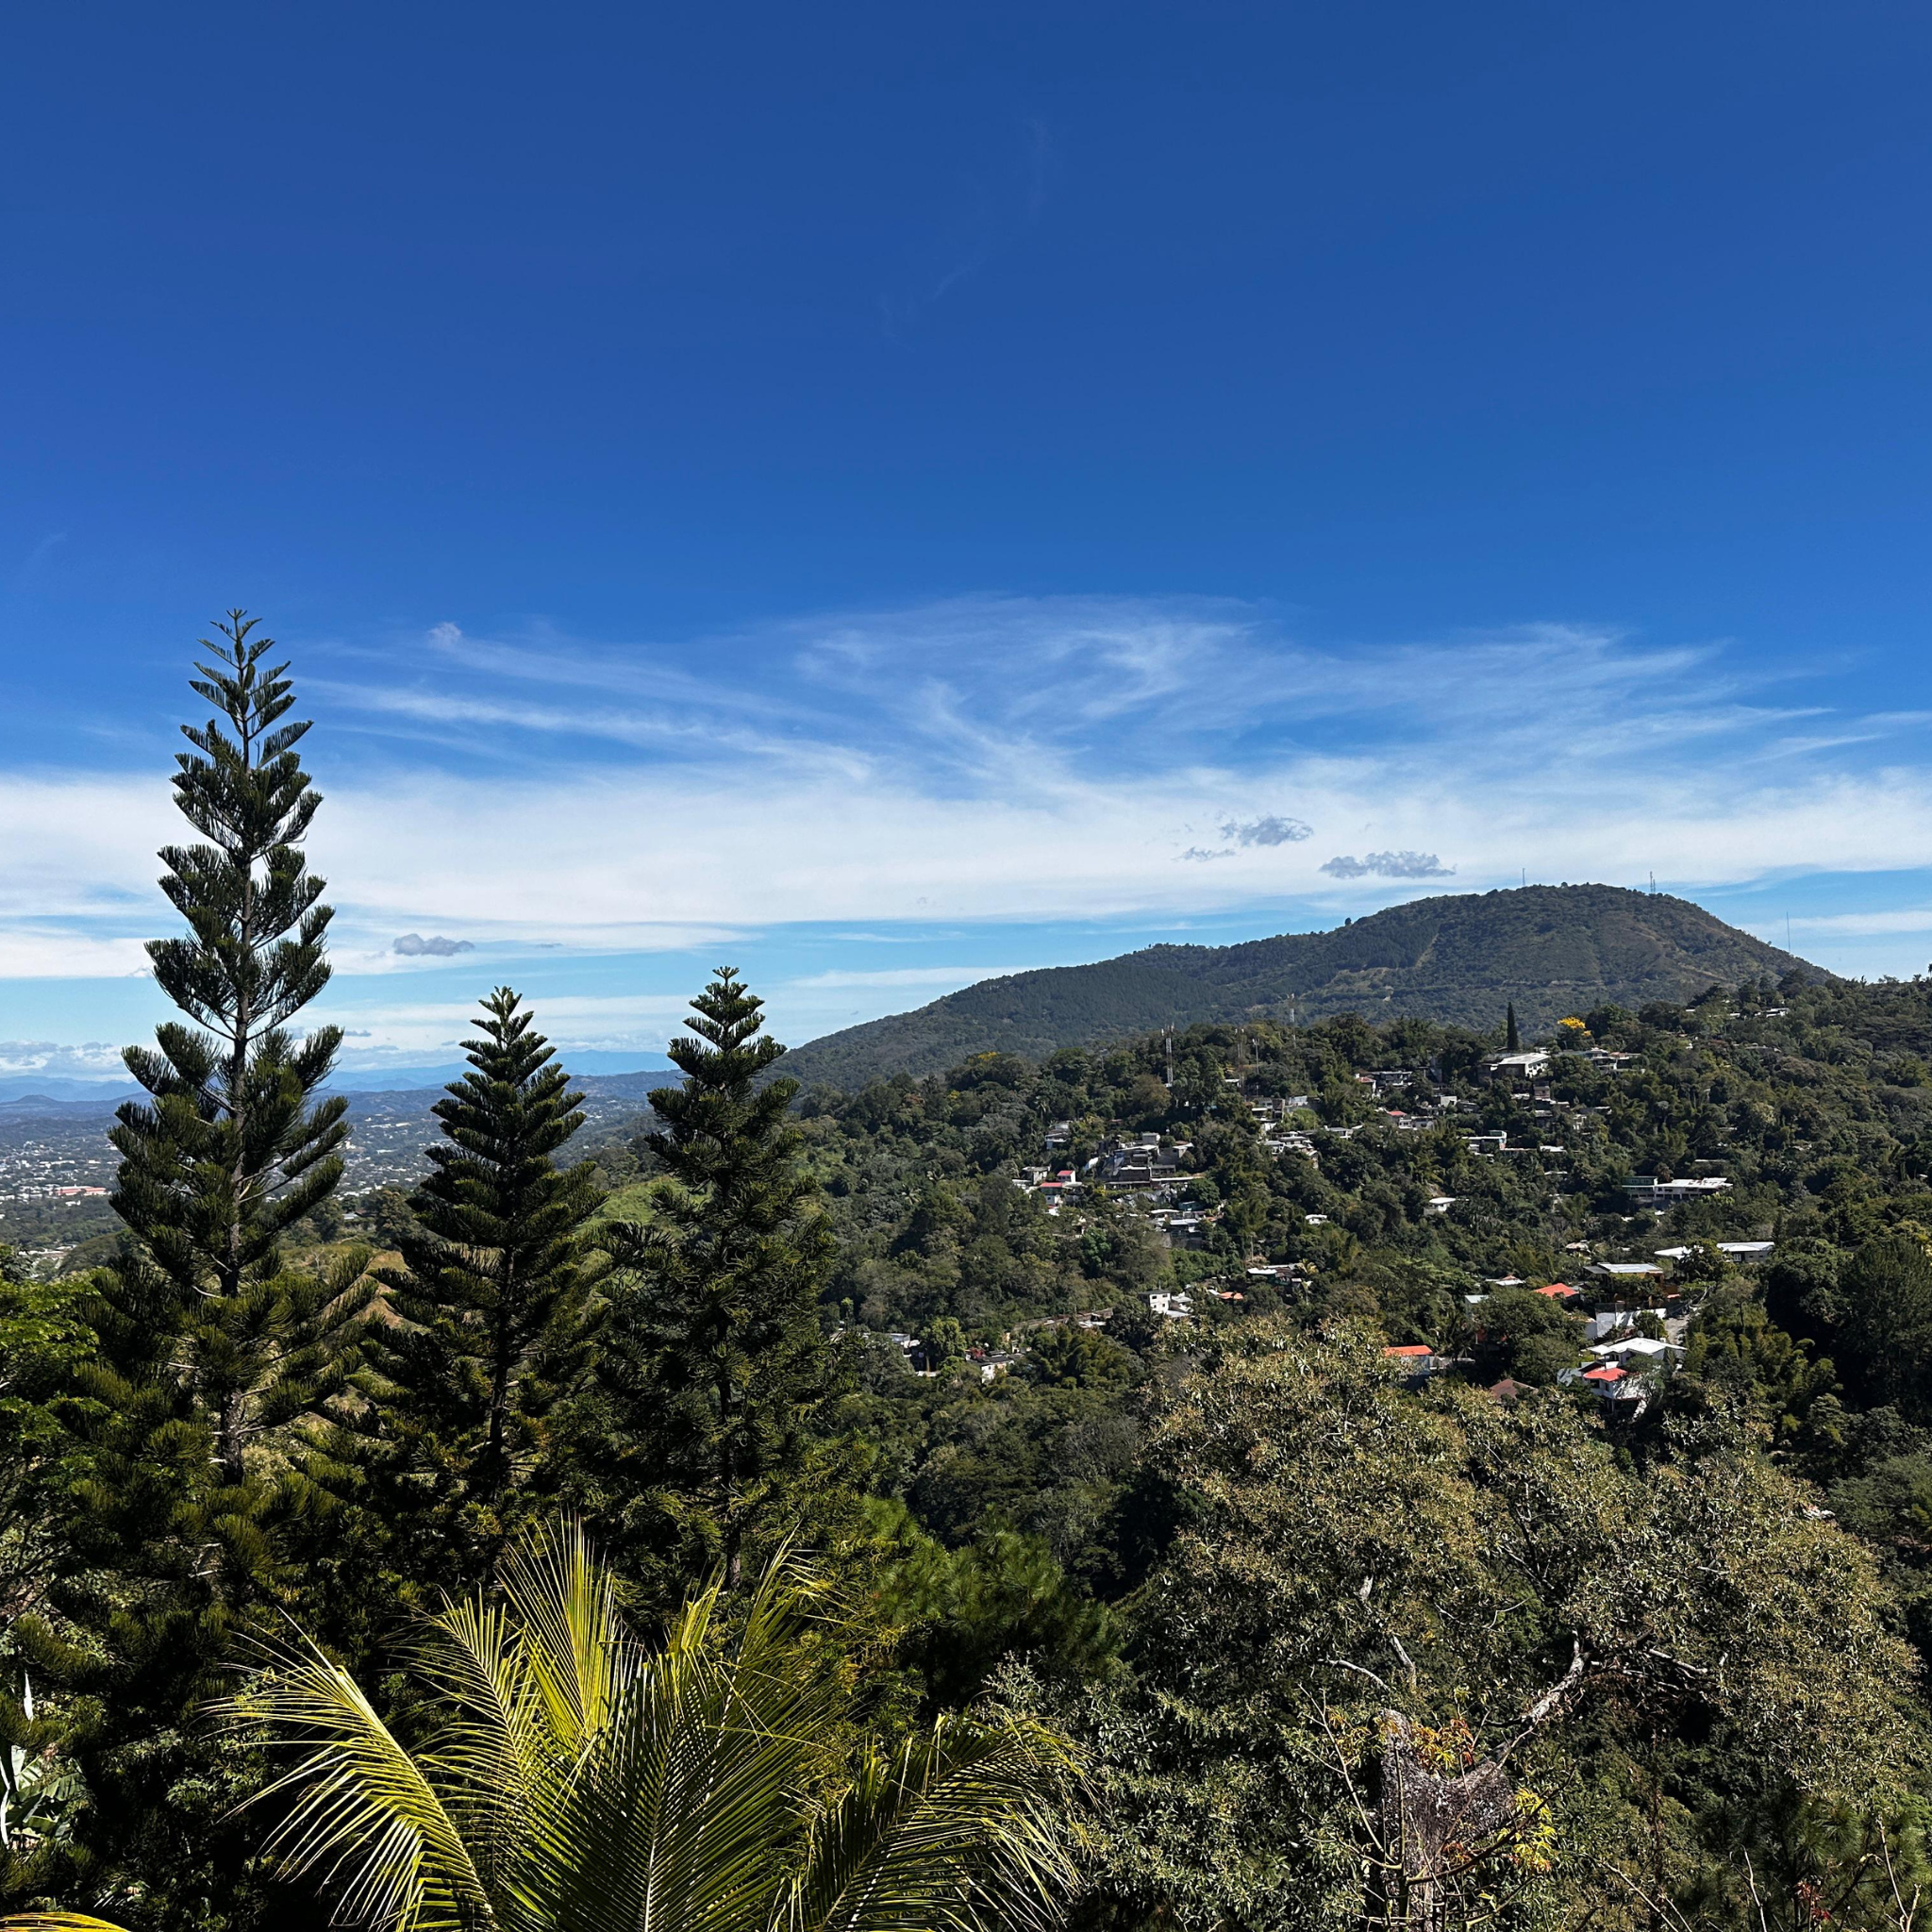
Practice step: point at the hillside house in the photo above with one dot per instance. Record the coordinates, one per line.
(1625, 1396)
(1614, 1321)
(1417, 1361)
(1516, 1066)
(1636, 1348)
(1140, 1163)
(1646, 1190)
(994, 1362)
(1746, 1252)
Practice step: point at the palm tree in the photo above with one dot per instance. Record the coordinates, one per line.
(581, 1782)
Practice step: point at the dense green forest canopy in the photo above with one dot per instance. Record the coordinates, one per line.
(1050, 1490)
(1453, 957)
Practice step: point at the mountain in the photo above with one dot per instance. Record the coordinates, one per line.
(113, 1089)
(1455, 959)
(98, 1105)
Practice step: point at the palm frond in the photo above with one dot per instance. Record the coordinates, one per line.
(958, 1829)
(683, 1822)
(56, 1922)
(494, 1751)
(580, 1783)
(365, 1818)
(580, 1654)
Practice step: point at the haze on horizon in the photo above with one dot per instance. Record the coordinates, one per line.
(888, 500)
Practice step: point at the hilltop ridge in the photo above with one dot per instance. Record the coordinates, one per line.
(1453, 958)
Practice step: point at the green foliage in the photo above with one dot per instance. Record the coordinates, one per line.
(583, 1781)
(42, 1341)
(1884, 1333)
(713, 1351)
(1000, 1598)
(454, 1444)
(185, 1465)
(1739, 1358)
(1357, 1552)
(1529, 1337)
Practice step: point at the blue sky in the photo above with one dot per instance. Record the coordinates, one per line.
(885, 496)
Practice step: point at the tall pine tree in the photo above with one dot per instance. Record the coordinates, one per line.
(210, 1348)
(492, 1300)
(712, 1352)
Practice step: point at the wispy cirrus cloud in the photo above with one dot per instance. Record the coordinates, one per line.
(989, 758)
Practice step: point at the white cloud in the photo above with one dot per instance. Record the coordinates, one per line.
(34, 955)
(980, 760)
(91, 1059)
(383, 1030)
(905, 976)
(1858, 925)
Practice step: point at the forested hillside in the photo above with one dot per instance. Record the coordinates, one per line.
(1266, 1475)
(1200, 1531)
(1552, 950)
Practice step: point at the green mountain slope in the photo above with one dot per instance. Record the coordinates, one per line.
(1458, 959)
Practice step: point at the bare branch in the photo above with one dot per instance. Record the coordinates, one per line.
(1342, 1663)
(1408, 1662)
(1548, 1705)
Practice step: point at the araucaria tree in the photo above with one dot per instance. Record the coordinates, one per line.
(713, 1351)
(493, 1297)
(210, 1349)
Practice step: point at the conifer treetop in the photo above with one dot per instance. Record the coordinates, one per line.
(515, 1093)
(254, 955)
(721, 1129)
(234, 1146)
(728, 1017)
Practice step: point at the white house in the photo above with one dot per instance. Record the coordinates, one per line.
(1518, 1066)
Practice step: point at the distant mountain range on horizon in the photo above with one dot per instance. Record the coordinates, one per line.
(63, 1091)
(1458, 958)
